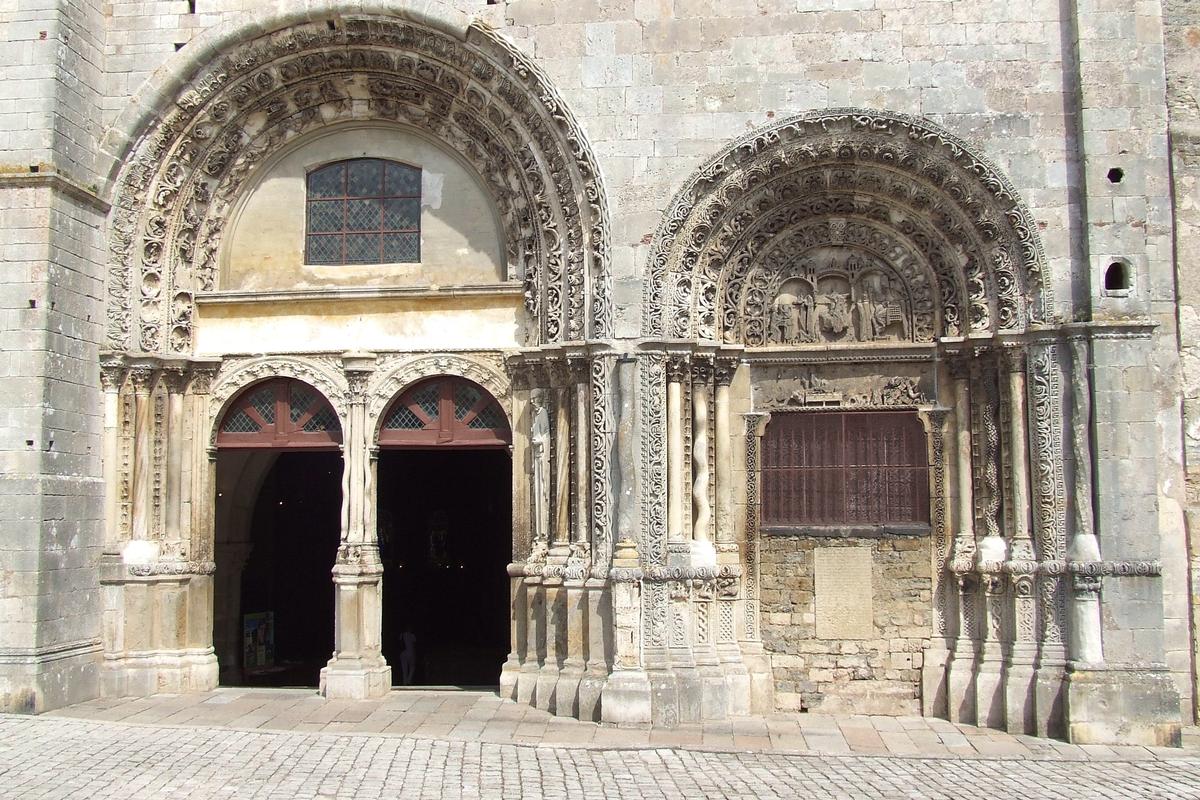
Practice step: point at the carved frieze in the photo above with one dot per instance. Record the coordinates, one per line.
(782, 388)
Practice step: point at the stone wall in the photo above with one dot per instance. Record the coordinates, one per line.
(879, 674)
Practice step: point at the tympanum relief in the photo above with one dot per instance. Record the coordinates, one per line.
(834, 295)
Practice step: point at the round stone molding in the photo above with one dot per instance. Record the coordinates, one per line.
(953, 226)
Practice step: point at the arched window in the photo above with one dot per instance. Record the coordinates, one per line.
(363, 211)
(280, 412)
(839, 469)
(445, 412)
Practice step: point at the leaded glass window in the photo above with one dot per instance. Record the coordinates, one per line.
(280, 412)
(364, 211)
(445, 411)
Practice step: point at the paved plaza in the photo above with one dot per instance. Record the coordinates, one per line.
(293, 744)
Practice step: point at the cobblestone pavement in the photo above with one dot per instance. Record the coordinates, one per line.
(225, 747)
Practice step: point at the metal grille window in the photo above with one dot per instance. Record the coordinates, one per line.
(445, 412)
(364, 211)
(280, 412)
(845, 469)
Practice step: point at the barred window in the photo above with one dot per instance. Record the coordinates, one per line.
(856, 468)
(363, 211)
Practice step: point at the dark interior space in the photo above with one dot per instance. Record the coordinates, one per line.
(444, 521)
(295, 533)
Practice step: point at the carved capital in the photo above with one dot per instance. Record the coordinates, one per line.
(112, 375)
(356, 385)
(176, 379)
(678, 368)
(142, 379)
(202, 379)
(702, 370)
(724, 370)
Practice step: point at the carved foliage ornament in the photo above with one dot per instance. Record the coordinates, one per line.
(942, 204)
(482, 97)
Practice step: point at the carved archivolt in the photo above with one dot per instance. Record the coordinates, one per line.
(394, 377)
(235, 375)
(946, 246)
(480, 96)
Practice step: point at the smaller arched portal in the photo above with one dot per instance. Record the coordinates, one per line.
(278, 493)
(444, 522)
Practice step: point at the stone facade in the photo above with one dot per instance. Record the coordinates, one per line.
(671, 222)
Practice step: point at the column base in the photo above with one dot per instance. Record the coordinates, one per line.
(1122, 706)
(509, 673)
(343, 679)
(543, 696)
(566, 693)
(144, 674)
(625, 698)
(933, 680)
(48, 678)
(1019, 702)
(960, 686)
(527, 685)
(591, 691)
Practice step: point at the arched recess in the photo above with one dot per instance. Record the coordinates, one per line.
(280, 413)
(446, 411)
(233, 98)
(237, 374)
(400, 374)
(891, 190)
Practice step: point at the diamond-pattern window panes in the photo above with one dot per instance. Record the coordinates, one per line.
(280, 412)
(401, 214)
(403, 181)
(263, 401)
(239, 422)
(324, 420)
(326, 216)
(302, 400)
(403, 418)
(328, 182)
(362, 248)
(489, 418)
(364, 178)
(325, 249)
(428, 398)
(401, 248)
(362, 215)
(364, 211)
(445, 411)
(465, 398)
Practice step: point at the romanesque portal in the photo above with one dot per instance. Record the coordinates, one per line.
(359, 270)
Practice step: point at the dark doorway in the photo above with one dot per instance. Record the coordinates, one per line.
(286, 585)
(445, 537)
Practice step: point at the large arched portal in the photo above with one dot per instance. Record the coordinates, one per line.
(278, 497)
(444, 525)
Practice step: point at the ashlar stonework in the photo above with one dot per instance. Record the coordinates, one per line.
(913, 272)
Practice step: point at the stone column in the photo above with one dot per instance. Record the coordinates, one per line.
(1085, 643)
(142, 549)
(993, 549)
(961, 669)
(677, 369)
(758, 663)
(357, 669)
(715, 699)
(112, 377)
(535, 563)
(566, 692)
(1019, 702)
(560, 542)
(937, 654)
(518, 612)
(737, 679)
(173, 535)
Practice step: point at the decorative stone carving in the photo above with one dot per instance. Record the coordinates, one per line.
(236, 374)
(788, 388)
(911, 201)
(481, 96)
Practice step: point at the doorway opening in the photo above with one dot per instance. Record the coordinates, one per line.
(278, 526)
(444, 522)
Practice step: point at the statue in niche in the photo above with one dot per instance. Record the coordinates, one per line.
(835, 316)
(539, 440)
(791, 315)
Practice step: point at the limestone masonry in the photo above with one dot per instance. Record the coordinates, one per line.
(659, 360)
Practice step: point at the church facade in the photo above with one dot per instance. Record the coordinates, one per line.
(656, 361)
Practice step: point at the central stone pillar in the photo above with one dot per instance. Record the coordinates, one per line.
(960, 679)
(357, 670)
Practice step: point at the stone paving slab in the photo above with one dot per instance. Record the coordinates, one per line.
(57, 757)
(482, 716)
